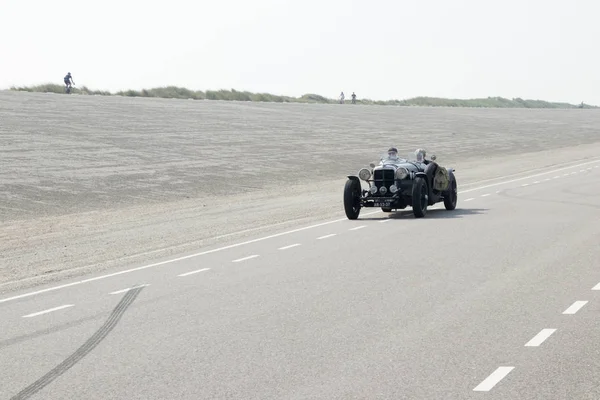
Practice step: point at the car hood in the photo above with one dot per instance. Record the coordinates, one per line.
(410, 166)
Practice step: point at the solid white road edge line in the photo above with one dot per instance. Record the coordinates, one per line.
(540, 338)
(575, 307)
(48, 311)
(246, 258)
(131, 288)
(50, 289)
(193, 272)
(530, 176)
(493, 379)
(97, 278)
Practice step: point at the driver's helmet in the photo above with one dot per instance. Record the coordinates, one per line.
(420, 155)
(393, 153)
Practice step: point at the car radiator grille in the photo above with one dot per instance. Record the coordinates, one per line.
(384, 177)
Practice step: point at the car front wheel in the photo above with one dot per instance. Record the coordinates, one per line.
(352, 199)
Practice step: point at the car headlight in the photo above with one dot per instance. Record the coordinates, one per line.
(401, 173)
(364, 174)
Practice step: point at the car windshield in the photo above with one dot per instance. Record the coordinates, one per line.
(390, 158)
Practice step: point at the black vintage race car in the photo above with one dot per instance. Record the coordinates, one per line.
(397, 183)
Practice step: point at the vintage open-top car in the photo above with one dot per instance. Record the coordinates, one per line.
(397, 183)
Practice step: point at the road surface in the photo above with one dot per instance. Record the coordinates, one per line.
(495, 300)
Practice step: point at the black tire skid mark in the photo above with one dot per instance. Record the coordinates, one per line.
(82, 351)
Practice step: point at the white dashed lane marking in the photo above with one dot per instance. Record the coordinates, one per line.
(48, 311)
(485, 195)
(540, 337)
(326, 236)
(597, 287)
(493, 379)
(358, 227)
(385, 220)
(246, 258)
(260, 239)
(290, 246)
(194, 272)
(525, 184)
(469, 199)
(128, 289)
(575, 307)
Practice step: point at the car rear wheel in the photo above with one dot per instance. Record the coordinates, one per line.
(420, 199)
(352, 198)
(451, 197)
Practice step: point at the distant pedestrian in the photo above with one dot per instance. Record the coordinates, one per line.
(353, 98)
(342, 97)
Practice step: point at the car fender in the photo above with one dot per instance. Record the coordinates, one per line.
(432, 199)
(451, 174)
(353, 178)
(424, 176)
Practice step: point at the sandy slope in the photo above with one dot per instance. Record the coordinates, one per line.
(88, 183)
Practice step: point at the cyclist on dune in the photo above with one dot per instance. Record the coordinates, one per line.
(68, 80)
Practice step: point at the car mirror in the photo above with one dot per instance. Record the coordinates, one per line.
(372, 165)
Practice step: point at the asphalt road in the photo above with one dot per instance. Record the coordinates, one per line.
(493, 300)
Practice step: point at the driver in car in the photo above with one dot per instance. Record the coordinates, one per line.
(393, 153)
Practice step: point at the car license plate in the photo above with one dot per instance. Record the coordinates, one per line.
(383, 204)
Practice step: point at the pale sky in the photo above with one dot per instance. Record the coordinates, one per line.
(380, 49)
